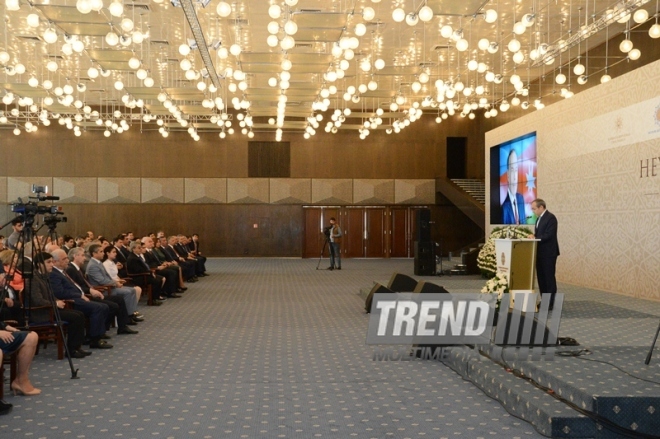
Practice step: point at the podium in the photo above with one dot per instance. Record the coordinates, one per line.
(517, 259)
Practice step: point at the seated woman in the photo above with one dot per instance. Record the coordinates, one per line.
(25, 344)
(110, 264)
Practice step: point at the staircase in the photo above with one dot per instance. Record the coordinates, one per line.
(467, 195)
(476, 188)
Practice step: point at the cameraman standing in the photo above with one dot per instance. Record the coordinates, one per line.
(335, 239)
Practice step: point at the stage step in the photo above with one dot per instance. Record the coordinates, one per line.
(548, 415)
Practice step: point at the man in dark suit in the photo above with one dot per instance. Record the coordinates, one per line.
(187, 268)
(137, 265)
(96, 312)
(40, 296)
(547, 250)
(162, 268)
(513, 207)
(116, 303)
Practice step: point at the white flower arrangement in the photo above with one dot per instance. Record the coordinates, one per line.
(499, 284)
(486, 261)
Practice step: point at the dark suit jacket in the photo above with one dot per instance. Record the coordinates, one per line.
(151, 259)
(170, 255)
(39, 296)
(546, 231)
(508, 216)
(62, 287)
(136, 265)
(77, 277)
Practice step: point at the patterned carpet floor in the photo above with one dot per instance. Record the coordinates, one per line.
(275, 348)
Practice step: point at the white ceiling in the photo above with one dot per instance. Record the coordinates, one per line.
(407, 52)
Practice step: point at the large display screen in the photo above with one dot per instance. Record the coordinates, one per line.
(513, 181)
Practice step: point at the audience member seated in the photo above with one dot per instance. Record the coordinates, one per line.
(97, 275)
(112, 267)
(187, 267)
(163, 268)
(17, 225)
(160, 255)
(137, 265)
(68, 244)
(116, 304)
(39, 295)
(182, 250)
(25, 344)
(98, 313)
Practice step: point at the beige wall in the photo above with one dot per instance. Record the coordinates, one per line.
(591, 149)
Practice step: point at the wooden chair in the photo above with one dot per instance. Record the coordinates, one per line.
(141, 280)
(11, 361)
(47, 330)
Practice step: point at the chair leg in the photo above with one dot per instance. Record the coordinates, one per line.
(150, 297)
(2, 381)
(13, 367)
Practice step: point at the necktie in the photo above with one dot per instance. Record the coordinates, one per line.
(73, 282)
(515, 212)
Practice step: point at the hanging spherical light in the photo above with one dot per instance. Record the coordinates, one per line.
(223, 9)
(462, 45)
(360, 29)
(654, 31)
(12, 5)
(78, 46)
(190, 75)
(83, 6)
(398, 15)
(290, 27)
(33, 20)
(368, 13)
(96, 5)
(50, 36)
(634, 54)
(272, 41)
(112, 38)
(412, 19)
(490, 16)
(125, 41)
(626, 46)
(138, 37)
(52, 66)
(514, 45)
(560, 78)
(518, 57)
(287, 43)
(493, 47)
(148, 82)
(274, 11)
(185, 64)
(605, 78)
(579, 69)
(426, 14)
(127, 24)
(519, 28)
(582, 79)
(119, 85)
(235, 49)
(116, 8)
(141, 74)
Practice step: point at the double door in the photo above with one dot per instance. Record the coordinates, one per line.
(369, 232)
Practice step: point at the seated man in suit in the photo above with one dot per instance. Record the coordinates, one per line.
(40, 295)
(97, 313)
(187, 267)
(117, 304)
(182, 251)
(97, 275)
(137, 264)
(162, 267)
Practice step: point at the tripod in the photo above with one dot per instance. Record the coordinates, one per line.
(655, 339)
(26, 239)
(325, 244)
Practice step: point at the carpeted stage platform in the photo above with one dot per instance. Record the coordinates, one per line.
(600, 390)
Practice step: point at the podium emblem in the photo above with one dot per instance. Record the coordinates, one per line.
(503, 259)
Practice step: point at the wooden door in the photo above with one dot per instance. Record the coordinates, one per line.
(400, 233)
(313, 238)
(375, 233)
(352, 245)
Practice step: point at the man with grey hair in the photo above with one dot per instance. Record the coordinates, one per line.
(97, 275)
(117, 304)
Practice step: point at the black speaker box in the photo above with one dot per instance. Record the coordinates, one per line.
(401, 283)
(378, 288)
(424, 251)
(427, 287)
(423, 219)
(424, 268)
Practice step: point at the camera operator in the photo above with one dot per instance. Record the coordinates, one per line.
(17, 225)
(334, 236)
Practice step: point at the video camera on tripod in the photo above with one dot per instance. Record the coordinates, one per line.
(32, 208)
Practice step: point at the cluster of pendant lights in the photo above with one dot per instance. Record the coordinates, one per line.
(282, 31)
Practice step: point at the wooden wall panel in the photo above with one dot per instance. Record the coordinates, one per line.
(225, 230)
